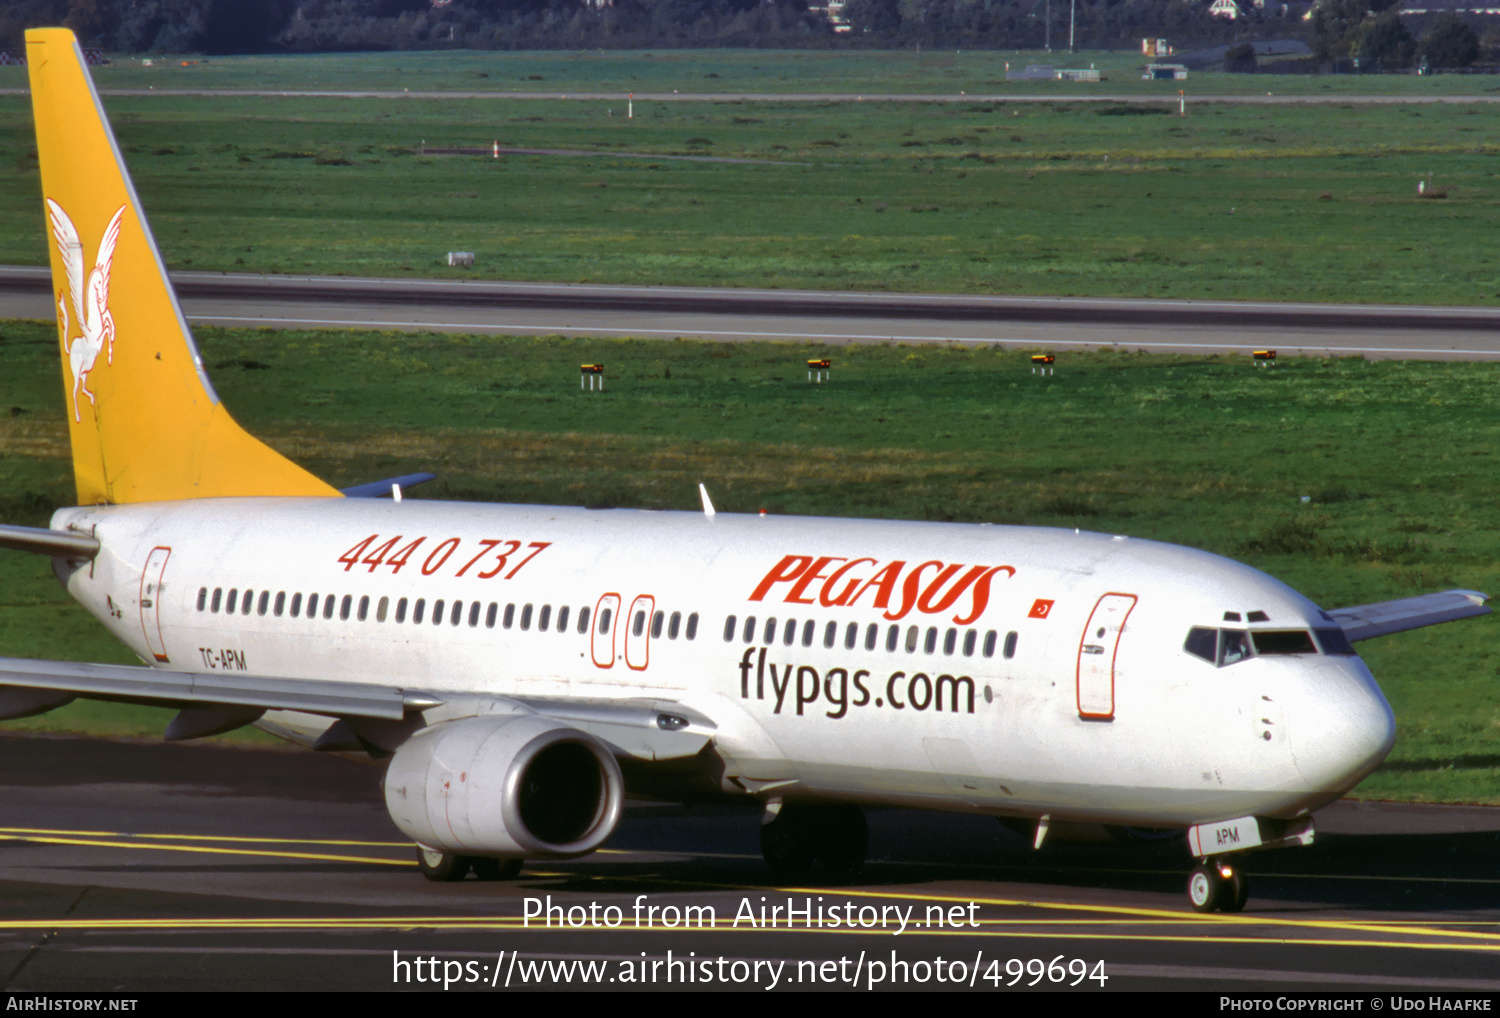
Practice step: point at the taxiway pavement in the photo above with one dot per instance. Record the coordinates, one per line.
(140, 866)
(829, 318)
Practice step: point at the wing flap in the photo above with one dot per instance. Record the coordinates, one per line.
(1367, 621)
(136, 684)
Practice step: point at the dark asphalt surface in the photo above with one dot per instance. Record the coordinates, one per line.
(139, 866)
(837, 318)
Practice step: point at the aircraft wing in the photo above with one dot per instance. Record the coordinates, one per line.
(1371, 620)
(136, 684)
(382, 489)
(642, 729)
(41, 541)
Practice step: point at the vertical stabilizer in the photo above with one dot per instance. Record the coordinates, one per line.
(145, 422)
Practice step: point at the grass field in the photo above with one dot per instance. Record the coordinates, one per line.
(1313, 203)
(1396, 460)
(727, 70)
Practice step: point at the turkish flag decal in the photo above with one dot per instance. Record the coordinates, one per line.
(1040, 609)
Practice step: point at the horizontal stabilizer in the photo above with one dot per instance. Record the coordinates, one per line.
(382, 489)
(41, 541)
(1371, 620)
(135, 684)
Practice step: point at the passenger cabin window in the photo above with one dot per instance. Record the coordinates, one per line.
(656, 623)
(457, 615)
(830, 634)
(218, 596)
(510, 616)
(400, 610)
(544, 618)
(1010, 645)
(989, 643)
(328, 606)
(729, 627)
(265, 602)
(749, 634)
(474, 607)
(202, 598)
(437, 612)
(280, 603)
(562, 619)
(418, 610)
(604, 616)
(692, 626)
(525, 618)
(673, 625)
(344, 607)
(583, 619)
(489, 615)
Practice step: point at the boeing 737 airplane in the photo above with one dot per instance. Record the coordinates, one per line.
(519, 670)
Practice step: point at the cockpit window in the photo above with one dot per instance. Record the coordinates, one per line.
(1203, 643)
(1335, 641)
(1233, 647)
(1284, 641)
(1224, 647)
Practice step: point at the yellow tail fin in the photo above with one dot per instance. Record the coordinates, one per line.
(146, 425)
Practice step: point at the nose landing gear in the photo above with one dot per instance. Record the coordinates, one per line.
(1217, 886)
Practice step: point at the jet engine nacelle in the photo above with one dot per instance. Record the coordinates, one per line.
(516, 786)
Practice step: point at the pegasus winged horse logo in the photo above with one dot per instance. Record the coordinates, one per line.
(90, 299)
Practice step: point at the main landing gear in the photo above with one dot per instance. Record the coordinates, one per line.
(800, 838)
(447, 867)
(1217, 886)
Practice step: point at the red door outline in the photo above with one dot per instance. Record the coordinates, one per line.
(638, 645)
(1097, 653)
(150, 601)
(604, 652)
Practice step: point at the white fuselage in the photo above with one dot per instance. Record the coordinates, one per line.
(1031, 671)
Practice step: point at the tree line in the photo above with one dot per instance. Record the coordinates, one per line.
(258, 26)
(1356, 34)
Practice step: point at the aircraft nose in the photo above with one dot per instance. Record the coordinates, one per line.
(1343, 727)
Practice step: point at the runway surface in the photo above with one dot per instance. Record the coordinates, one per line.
(134, 866)
(833, 318)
